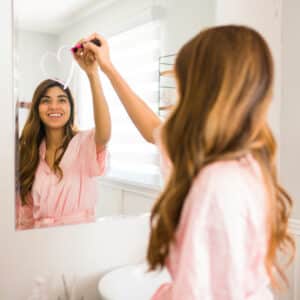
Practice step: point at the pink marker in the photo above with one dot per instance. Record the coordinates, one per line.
(76, 47)
(80, 46)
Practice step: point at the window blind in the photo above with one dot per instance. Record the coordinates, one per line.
(135, 54)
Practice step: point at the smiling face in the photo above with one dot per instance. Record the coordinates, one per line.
(54, 108)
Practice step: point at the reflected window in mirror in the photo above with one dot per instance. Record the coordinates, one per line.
(136, 54)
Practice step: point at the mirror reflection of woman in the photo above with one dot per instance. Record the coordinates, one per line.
(222, 216)
(57, 163)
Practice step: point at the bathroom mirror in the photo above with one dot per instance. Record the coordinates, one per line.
(124, 192)
(44, 33)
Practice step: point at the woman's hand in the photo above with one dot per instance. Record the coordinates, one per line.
(101, 53)
(86, 59)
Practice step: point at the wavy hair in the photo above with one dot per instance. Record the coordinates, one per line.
(33, 134)
(225, 82)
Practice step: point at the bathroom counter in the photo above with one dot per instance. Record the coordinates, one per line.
(134, 179)
(123, 192)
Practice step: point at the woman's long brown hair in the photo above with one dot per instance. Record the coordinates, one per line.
(33, 134)
(225, 83)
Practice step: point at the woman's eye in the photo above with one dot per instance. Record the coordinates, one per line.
(45, 100)
(62, 100)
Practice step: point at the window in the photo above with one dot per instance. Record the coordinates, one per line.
(135, 54)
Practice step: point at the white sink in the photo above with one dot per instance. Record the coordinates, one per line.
(131, 282)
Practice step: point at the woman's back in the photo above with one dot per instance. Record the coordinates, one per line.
(221, 238)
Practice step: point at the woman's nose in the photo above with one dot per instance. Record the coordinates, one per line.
(54, 105)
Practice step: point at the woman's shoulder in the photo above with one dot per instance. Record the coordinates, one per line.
(82, 135)
(231, 183)
(231, 172)
(79, 139)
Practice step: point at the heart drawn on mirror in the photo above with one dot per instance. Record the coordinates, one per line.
(58, 66)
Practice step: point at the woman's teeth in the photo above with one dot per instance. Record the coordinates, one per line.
(55, 115)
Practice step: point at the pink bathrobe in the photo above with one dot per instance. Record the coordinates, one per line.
(73, 199)
(221, 238)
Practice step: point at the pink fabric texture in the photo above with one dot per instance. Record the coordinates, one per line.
(221, 238)
(71, 200)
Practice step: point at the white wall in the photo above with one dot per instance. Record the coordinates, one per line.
(119, 16)
(31, 47)
(184, 19)
(290, 107)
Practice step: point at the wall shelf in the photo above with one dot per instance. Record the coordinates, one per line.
(167, 84)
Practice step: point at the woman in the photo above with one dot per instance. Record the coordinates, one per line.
(57, 163)
(222, 216)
